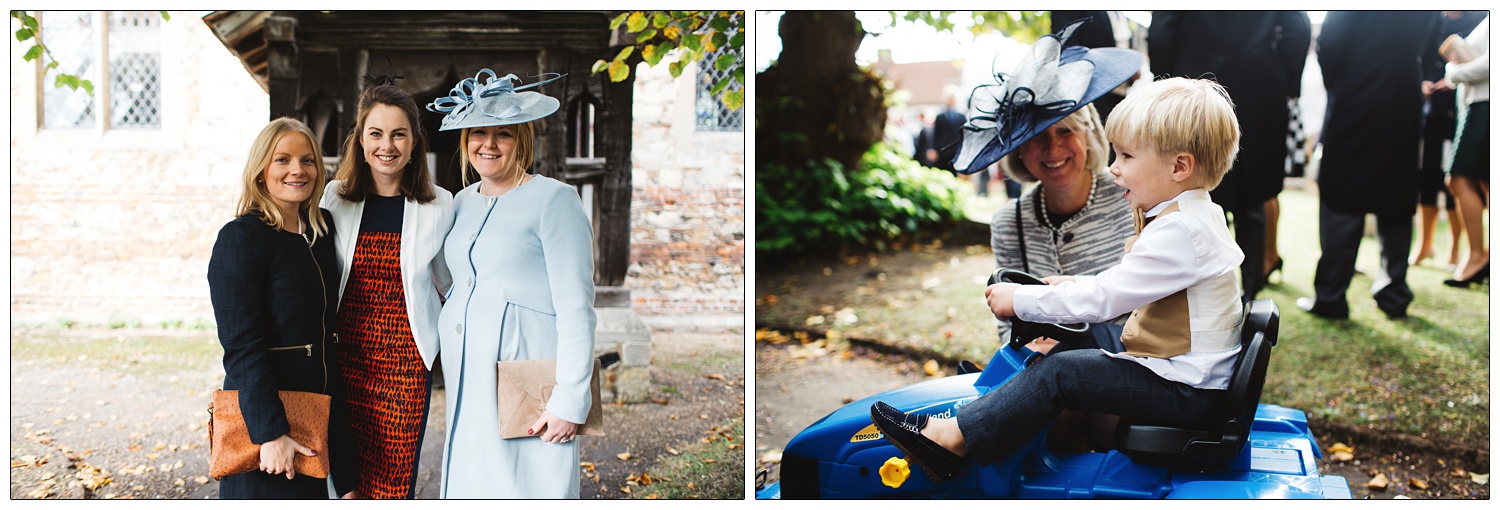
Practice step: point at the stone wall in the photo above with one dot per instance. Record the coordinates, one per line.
(688, 211)
(116, 226)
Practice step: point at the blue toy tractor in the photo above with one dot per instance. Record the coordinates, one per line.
(1252, 451)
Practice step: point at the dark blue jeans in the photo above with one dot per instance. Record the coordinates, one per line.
(1080, 378)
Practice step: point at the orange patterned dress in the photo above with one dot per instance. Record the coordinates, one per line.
(387, 380)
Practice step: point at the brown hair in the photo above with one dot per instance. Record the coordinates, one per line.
(254, 198)
(354, 171)
(525, 145)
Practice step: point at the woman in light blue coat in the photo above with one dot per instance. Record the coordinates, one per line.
(521, 255)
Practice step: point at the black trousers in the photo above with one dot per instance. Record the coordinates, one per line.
(1082, 378)
(1339, 234)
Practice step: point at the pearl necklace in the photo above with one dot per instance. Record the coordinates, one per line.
(1042, 195)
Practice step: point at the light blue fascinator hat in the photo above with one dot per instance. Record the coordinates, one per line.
(1052, 81)
(487, 100)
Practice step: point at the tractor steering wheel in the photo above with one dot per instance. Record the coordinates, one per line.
(1023, 332)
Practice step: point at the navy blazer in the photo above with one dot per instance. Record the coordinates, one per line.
(275, 298)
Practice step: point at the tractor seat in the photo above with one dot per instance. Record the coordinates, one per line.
(1216, 443)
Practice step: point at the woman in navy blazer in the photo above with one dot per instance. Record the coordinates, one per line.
(390, 222)
(271, 279)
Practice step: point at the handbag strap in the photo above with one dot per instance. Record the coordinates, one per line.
(1021, 236)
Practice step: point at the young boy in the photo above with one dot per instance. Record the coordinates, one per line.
(1173, 139)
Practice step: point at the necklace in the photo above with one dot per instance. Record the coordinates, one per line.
(1047, 221)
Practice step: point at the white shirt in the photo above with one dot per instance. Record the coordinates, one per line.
(1473, 77)
(1192, 251)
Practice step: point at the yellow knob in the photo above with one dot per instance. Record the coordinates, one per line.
(894, 472)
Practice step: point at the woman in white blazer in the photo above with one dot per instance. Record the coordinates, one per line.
(391, 221)
(523, 289)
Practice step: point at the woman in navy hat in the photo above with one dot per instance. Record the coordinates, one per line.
(521, 256)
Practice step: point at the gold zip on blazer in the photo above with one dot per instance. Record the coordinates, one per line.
(322, 324)
(308, 347)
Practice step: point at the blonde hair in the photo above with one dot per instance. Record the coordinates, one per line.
(1181, 115)
(525, 145)
(254, 198)
(1085, 121)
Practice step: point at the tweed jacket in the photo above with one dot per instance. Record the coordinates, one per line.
(424, 272)
(273, 298)
(1097, 237)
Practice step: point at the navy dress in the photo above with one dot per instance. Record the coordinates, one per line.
(273, 298)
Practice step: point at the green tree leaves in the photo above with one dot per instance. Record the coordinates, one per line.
(687, 36)
(28, 32)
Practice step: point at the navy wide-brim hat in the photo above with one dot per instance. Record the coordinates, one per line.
(1051, 82)
(493, 102)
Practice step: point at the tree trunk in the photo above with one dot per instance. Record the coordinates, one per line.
(816, 102)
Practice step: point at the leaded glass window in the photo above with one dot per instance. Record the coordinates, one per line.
(712, 113)
(69, 37)
(134, 69)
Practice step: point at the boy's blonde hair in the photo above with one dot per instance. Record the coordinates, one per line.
(1085, 121)
(1181, 115)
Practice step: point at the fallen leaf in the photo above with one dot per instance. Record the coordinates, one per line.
(201, 480)
(1378, 483)
(719, 377)
(587, 466)
(1416, 483)
(771, 457)
(1340, 447)
(661, 401)
(931, 367)
(625, 490)
(651, 496)
(709, 461)
(1343, 456)
(1479, 479)
(623, 456)
(673, 451)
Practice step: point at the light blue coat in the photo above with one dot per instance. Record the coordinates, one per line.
(523, 289)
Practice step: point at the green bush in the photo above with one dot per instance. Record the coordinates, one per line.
(825, 206)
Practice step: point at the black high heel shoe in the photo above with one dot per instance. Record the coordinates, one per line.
(1275, 268)
(1482, 274)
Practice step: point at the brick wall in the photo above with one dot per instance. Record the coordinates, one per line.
(688, 210)
(117, 225)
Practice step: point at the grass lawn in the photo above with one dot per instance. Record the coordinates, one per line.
(1426, 375)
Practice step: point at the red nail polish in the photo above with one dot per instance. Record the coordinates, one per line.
(529, 431)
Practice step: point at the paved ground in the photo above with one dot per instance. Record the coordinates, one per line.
(795, 386)
(119, 414)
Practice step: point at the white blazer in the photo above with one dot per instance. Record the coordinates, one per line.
(424, 273)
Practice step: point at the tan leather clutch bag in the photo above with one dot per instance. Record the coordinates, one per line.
(524, 387)
(230, 451)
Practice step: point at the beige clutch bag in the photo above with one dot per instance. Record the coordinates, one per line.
(524, 387)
